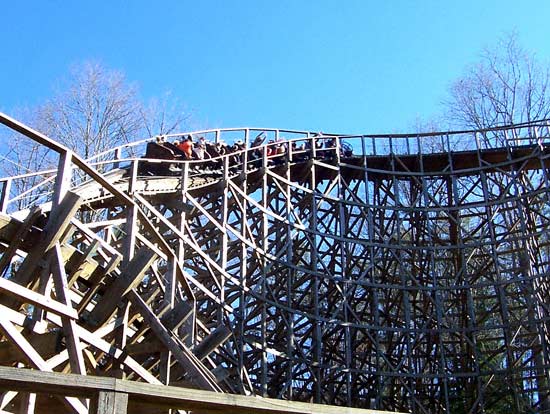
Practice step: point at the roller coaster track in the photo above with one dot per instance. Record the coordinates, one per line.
(411, 274)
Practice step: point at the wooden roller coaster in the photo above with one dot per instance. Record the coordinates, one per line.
(409, 275)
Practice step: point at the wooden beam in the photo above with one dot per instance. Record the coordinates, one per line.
(216, 338)
(72, 340)
(18, 238)
(34, 357)
(63, 177)
(175, 317)
(27, 403)
(96, 341)
(148, 346)
(129, 278)
(197, 372)
(199, 401)
(110, 402)
(29, 296)
(58, 222)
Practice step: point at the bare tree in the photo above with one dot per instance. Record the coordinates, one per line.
(93, 110)
(507, 86)
(163, 115)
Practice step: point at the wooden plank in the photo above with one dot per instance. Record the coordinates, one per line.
(129, 278)
(201, 401)
(30, 296)
(23, 379)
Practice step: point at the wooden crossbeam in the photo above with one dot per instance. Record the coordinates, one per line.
(197, 372)
(216, 338)
(30, 296)
(129, 278)
(58, 222)
(34, 357)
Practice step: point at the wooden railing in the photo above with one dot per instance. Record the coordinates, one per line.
(112, 396)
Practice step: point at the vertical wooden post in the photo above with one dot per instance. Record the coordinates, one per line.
(27, 403)
(62, 292)
(131, 218)
(118, 153)
(110, 402)
(63, 179)
(5, 195)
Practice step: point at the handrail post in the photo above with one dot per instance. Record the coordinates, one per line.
(5, 195)
(118, 154)
(133, 176)
(63, 179)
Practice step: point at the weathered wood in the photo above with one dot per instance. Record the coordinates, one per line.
(110, 402)
(45, 344)
(174, 318)
(27, 403)
(98, 342)
(6, 398)
(194, 369)
(335, 274)
(129, 278)
(30, 296)
(18, 238)
(216, 338)
(63, 178)
(120, 334)
(76, 359)
(33, 357)
(58, 221)
(148, 346)
(5, 195)
(161, 396)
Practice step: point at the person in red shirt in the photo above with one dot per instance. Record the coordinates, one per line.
(186, 147)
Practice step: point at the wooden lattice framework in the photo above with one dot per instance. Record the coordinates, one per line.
(411, 275)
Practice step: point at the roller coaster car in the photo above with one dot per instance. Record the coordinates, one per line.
(161, 151)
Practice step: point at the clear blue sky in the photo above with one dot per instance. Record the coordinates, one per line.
(336, 66)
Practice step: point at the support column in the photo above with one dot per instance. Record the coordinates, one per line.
(110, 402)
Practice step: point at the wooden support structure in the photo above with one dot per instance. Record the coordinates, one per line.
(411, 275)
